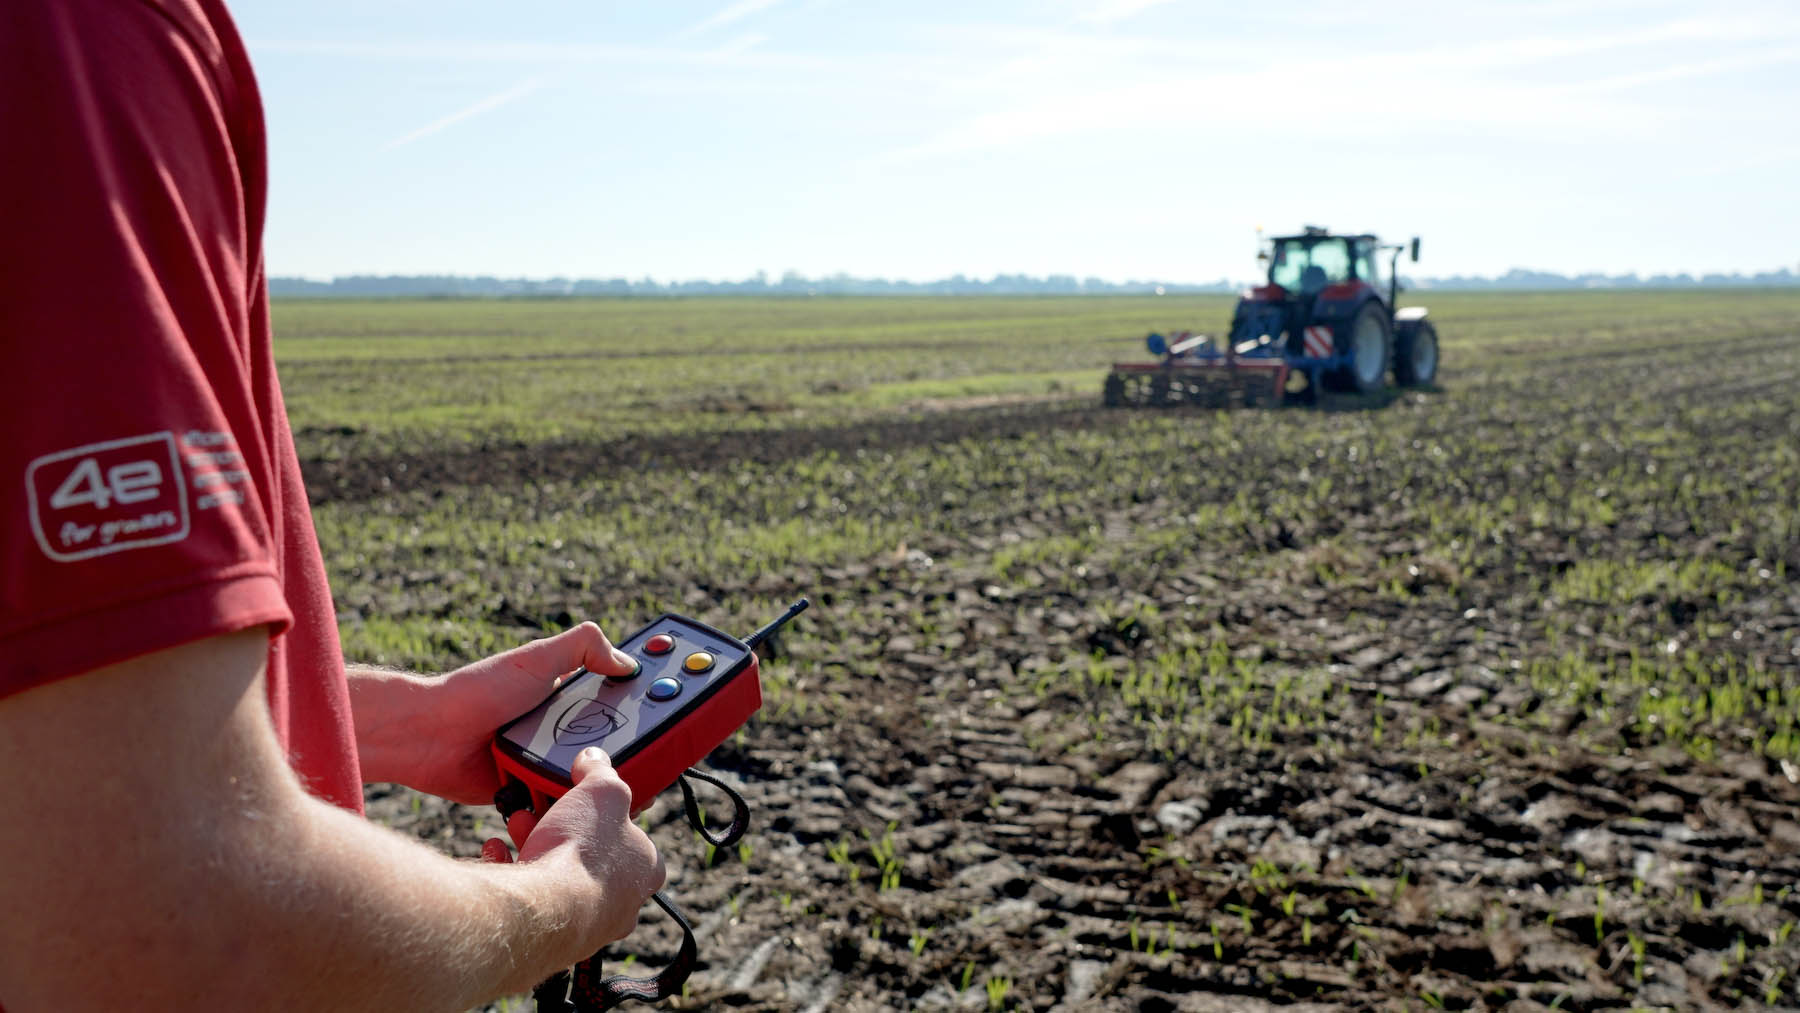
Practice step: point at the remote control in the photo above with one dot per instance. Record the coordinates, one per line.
(693, 687)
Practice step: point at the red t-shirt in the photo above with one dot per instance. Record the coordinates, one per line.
(152, 496)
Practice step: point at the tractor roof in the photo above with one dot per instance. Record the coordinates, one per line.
(1320, 232)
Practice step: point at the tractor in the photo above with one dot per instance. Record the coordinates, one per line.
(1324, 316)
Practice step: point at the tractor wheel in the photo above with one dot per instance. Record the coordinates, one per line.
(1416, 358)
(1113, 393)
(1371, 340)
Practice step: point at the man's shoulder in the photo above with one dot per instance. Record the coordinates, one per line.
(137, 381)
(172, 68)
(203, 27)
(200, 20)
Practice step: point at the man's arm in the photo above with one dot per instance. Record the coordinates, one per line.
(173, 861)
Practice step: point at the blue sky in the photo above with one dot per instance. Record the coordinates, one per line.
(1119, 139)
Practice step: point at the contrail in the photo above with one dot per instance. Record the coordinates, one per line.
(491, 102)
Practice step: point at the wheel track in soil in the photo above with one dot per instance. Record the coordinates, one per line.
(1066, 884)
(360, 478)
(358, 364)
(1090, 888)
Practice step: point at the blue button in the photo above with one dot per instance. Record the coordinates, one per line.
(664, 688)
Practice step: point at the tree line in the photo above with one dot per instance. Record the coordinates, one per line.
(792, 283)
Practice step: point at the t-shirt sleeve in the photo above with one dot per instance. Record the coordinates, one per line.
(132, 468)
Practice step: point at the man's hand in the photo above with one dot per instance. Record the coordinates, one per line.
(433, 734)
(592, 825)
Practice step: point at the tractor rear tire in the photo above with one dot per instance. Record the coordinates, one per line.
(1371, 340)
(1416, 356)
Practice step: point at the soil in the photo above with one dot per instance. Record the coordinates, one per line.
(952, 843)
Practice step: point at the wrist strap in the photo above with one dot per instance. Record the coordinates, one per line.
(585, 991)
(740, 810)
(589, 994)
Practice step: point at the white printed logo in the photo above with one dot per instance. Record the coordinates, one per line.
(217, 469)
(108, 497)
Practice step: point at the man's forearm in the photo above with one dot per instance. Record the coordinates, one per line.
(174, 861)
(347, 915)
(393, 720)
(290, 903)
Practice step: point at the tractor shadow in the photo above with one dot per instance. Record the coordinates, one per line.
(1341, 401)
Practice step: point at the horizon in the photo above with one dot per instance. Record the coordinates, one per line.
(1112, 139)
(1781, 275)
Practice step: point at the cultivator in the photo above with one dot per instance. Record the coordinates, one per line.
(1192, 373)
(1322, 317)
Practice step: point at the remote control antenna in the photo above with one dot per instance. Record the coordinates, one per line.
(760, 635)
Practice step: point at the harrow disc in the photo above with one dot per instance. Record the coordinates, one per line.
(1196, 388)
(1113, 394)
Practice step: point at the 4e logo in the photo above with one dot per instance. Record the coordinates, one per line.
(108, 497)
(131, 482)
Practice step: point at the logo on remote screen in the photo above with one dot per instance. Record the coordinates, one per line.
(108, 497)
(586, 722)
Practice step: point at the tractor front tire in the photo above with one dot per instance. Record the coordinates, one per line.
(1416, 358)
(1371, 344)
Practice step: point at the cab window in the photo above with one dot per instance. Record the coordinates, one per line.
(1368, 263)
(1308, 265)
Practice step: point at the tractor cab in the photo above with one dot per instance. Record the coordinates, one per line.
(1308, 264)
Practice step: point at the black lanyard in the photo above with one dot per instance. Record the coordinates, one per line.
(584, 991)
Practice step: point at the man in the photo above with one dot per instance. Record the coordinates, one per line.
(181, 750)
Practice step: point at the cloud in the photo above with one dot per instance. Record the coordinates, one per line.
(488, 104)
(1054, 84)
(430, 51)
(1725, 65)
(1110, 11)
(739, 51)
(742, 44)
(736, 12)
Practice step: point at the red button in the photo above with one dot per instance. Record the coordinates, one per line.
(662, 643)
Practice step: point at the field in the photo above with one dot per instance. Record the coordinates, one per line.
(1479, 697)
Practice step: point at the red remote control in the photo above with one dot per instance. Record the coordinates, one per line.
(693, 687)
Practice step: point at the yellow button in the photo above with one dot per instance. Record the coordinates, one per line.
(699, 661)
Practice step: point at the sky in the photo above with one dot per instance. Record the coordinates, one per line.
(1113, 139)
